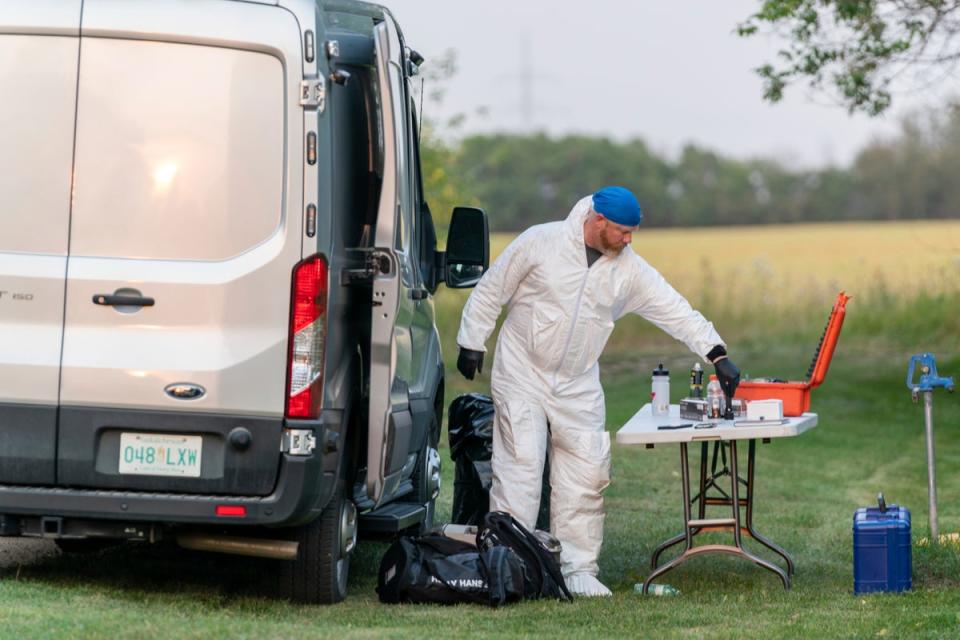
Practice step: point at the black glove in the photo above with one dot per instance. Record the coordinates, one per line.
(728, 375)
(470, 362)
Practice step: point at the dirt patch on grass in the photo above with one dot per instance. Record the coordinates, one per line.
(25, 551)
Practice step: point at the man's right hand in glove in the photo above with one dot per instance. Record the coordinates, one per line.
(728, 374)
(470, 362)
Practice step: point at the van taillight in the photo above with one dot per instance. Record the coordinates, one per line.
(308, 327)
(231, 511)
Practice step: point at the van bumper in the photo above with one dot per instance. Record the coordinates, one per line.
(304, 486)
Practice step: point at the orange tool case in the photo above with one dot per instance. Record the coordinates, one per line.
(796, 395)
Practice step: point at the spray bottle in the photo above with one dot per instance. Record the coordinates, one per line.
(696, 381)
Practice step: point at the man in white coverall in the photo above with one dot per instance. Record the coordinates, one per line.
(564, 285)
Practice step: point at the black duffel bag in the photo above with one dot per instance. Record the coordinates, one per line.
(436, 569)
(542, 577)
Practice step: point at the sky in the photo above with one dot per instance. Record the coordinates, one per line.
(670, 72)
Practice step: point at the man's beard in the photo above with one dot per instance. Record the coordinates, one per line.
(610, 250)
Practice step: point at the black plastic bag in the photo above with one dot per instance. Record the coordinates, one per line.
(435, 569)
(470, 427)
(470, 430)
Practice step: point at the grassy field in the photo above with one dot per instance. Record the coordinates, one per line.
(768, 281)
(870, 439)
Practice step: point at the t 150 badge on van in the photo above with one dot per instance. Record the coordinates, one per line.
(16, 295)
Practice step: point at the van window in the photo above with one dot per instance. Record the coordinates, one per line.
(426, 236)
(401, 119)
(399, 100)
(36, 141)
(179, 150)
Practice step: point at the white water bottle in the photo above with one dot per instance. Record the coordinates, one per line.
(660, 391)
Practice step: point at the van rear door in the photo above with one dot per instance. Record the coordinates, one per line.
(391, 342)
(185, 229)
(39, 51)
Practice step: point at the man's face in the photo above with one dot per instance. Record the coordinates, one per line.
(614, 237)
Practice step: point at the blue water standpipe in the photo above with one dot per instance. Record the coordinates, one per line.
(929, 380)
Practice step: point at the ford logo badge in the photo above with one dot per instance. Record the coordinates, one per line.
(184, 391)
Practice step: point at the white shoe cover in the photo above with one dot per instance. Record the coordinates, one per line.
(584, 584)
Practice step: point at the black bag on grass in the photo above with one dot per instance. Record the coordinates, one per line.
(436, 569)
(542, 577)
(470, 429)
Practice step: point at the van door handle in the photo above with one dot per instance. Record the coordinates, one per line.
(418, 294)
(113, 300)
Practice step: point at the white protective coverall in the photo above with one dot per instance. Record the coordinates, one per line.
(560, 315)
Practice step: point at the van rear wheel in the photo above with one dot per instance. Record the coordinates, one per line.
(319, 574)
(426, 477)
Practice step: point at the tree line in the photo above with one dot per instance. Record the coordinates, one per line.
(527, 179)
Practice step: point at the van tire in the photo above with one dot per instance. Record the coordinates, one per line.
(421, 489)
(319, 574)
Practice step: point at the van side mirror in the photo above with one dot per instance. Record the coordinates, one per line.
(468, 248)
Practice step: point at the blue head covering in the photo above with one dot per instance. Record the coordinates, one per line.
(618, 205)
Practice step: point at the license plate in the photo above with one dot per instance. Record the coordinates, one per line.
(160, 454)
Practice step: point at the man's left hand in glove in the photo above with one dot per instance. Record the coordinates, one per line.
(469, 362)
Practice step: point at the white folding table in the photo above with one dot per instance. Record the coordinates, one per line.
(643, 429)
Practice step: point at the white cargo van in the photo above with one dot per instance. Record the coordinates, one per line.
(216, 279)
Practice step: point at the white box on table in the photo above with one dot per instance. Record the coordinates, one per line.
(764, 410)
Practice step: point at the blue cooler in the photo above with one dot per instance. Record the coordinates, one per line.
(881, 549)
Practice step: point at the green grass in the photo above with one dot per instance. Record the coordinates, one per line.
(870, 439)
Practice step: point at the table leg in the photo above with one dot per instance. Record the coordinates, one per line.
(747, 502)
(702, 495)
(687, 534)
(655, 557)
(751, 464)
(735, 497)
(701, 510)
(718, 451)
(734, 501)
(685, 490)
